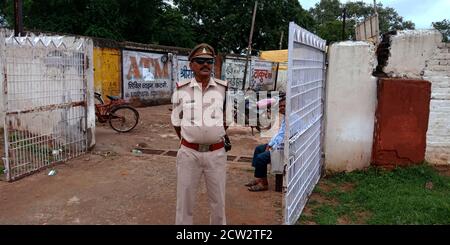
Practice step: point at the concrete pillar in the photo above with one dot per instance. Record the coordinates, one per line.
(350, 106)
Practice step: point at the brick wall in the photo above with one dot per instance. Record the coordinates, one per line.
(401, 122)
(437, 71)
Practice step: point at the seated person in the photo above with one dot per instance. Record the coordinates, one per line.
(261, 156)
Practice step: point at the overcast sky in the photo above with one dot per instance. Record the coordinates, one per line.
(421, 12)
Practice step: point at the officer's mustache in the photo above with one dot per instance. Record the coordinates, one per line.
(205, 69)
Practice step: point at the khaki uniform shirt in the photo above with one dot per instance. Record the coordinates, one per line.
(199, 113)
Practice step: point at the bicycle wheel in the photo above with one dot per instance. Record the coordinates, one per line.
(123, 118)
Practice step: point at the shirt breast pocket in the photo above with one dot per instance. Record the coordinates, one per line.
(189, 111)
(213, 114)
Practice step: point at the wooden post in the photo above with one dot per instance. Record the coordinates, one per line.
(377, 28)
(18, 25)
(375, 6)
(279, 182)
(343, 23)
(281, 40)
(249, 49)
(276, 77)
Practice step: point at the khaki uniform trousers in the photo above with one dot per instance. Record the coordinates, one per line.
(191, 165)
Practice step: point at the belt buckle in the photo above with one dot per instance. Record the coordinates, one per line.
(203, 148)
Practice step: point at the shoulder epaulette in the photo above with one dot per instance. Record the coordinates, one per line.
(182, 83)
(221, 82)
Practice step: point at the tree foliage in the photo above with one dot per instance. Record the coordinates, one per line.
(328, 16)
(145, 21)
(390, 20)
(2, 18)
(444, 28)
(226, 24)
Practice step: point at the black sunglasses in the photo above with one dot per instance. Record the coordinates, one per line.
(202, 61)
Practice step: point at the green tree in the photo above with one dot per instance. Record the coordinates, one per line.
(145, 21)
(49, 15)
(98, 18)
(444, 28)
(330, 30)
(226, 24)
(176, 31)
(328, 17)
(102, 18)
(390, 20)
(2, 18)
(141, 18)
(326, 11)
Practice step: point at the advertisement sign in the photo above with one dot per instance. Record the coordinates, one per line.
(262, 74)
(233, 72)
(146, 75)
(184, 71)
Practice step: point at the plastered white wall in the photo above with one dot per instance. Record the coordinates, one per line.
(437, 71)
(350, 106)
(409, 51)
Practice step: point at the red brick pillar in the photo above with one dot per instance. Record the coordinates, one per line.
(401, 122)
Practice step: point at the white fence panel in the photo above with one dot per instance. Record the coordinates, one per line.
(304, 113)
(44, 85)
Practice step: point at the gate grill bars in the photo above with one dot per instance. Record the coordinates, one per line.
(44, 101)
(304, 113)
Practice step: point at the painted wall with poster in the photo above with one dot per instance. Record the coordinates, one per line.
(263, 74)
(147, 78)
(233, 71)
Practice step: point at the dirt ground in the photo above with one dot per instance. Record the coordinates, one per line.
(112, 185)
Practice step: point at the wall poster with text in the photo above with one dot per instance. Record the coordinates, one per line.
(146, 76)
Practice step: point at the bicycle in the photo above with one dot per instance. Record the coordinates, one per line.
(120, 115)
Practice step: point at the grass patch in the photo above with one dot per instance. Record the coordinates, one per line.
(413, 195)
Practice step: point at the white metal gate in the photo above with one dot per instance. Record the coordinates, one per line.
(304, 113)
(44, 101)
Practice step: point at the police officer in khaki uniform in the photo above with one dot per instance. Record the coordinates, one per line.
(197, 117)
